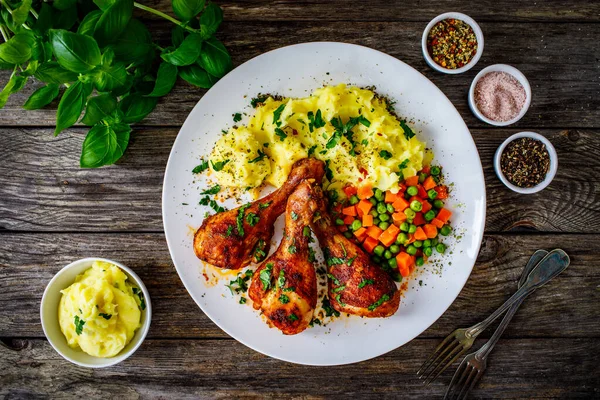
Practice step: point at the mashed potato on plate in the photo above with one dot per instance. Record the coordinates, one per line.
(349, 128)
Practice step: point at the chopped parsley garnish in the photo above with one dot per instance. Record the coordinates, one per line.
(261, 156)
(306, 231)
(105, 316)
(252, 219)
(315, 321)
(293, 317)
(277, 115)
(311, 150)
(386, 155)
(365, 282)
(203, 166)
(243, 300)
(237, 117)
(262, 206)
(281, 279)
(292, 249)
(408, 133)
(256, 101)
(351, 260)
(79, 323)
(339, 300)
(335, 261)
(379, 302)
(259, 252)
(328, 171)
(315, 121)
(265, 276)
(339, 289)
(364, 142)
(138, 292)
(284, 299)
(240, 219)
(294, 216)
(403, 164)
(311, 255)
(334, 279)
(213, 190)
(289, 289)
(343, 249)
(217, 166)
(205, 201)
(329, 310)
(229, 230)
(280, 134)
(240, 283)
(345, 130)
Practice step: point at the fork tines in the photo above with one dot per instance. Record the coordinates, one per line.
(463, 381)
(444, 355)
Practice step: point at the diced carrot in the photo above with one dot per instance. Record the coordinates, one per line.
(420, 234)
(360, 233)
(350, 190)
(402, 187)
(412, 181)
(351, 210)
(374, 231)
(411, 239)
(400, 204)
(426, 169)
(364, 206)
(429, 183)
(348, 219)
(426, 206)
(364, 192)
(442, 192)
(422, 193)
(390, 197)
(342, 228)
(367, 220)
(389, 236)
(418, 219)
(444, 215)
(437, 223)
(369, 244)
(430, 230)
(404, 261)
(399, 217)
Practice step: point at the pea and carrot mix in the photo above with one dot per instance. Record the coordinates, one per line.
(452, 43)
(399, 230)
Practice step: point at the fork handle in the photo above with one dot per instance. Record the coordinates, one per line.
(553, 264)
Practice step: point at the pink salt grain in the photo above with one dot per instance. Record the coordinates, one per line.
(499, 96)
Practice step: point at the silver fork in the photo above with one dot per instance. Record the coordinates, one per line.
(461, 340)
(473, 365)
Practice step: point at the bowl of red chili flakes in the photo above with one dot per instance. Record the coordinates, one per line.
(452, 43)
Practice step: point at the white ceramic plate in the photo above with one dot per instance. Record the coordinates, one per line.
(296, 71)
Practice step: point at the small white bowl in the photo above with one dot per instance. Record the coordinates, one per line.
(551, 170)
(478, 34)
(518, 75)
(49, 315)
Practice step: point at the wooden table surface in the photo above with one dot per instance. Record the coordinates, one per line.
(52, 212)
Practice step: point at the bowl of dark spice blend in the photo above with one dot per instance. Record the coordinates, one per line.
(526, 162)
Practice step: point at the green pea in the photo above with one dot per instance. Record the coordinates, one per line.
(384, 217)
(402, 238)
(354, 200)
(376, 221)
(356, 225)
(384, 225)
(422, 177)
(412, 228)
(379, 195)
(418, 243)
(374, 213)
(393, 263)
(412, 250)
(373, 201)
(440, 248)
(429, 215)
(388, 254)
(432, 194)
(446, 229)
(378, 250)
(404, 226)
(395, 249)
(427, 243)
(438, 204)
(412, 190)
(381, 208)
(339, 221)
(434, 241)
(419, 261)
(435, 171)
(376, 259)
(390, 208)
(348, 234)
(409, 212)
(428, 251)
(416, 205)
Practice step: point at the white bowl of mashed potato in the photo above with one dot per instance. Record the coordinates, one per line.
(95, 312)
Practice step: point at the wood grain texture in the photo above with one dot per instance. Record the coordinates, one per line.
(43, 188)
(567, 307)
(540, 368)
(565, 86)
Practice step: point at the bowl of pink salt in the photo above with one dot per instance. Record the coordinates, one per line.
(500, 95)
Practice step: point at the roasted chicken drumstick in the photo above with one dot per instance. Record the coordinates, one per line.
(355, 284)
(284, 287)
(234, 238)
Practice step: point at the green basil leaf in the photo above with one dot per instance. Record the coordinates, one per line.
(187, 9)
(63, 4)
(20, 13)
(134, 45)
(74, 51)
(5, 65)
(18, 49)
(8, 20)
(109, 78)
(123, 131)
(113, 22)
(88, 25)
(65, 19)
(42, 97)
(104, 145)
(31, 68)
(104, 4)
(98, 108)
(177, 35)
(136, 107)
(186, 53)
(14, 84)
(45, 19)
(210, 20)
(214, 58)
(71, 105)
(52, 72)
(165, 79)
(195, 75)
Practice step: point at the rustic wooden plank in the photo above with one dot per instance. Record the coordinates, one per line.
(43, 188)
(540, 368)
(567, 307)
(565, 86)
